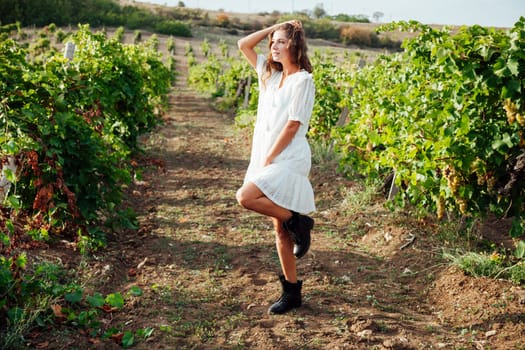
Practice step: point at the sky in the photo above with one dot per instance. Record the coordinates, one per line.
(488, 13)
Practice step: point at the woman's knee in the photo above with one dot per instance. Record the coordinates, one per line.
(248, 196)
(241, 197)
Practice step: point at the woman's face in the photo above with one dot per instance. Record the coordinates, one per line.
(279, 47)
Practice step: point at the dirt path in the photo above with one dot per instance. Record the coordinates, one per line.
(209, 269)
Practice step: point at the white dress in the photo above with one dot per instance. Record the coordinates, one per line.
(285, 182)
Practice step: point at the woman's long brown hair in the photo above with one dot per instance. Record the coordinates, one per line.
(296, 45)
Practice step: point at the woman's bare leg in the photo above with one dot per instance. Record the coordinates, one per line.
(284, 244)
(251, 197)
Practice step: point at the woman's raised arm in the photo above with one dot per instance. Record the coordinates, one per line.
(248, 43)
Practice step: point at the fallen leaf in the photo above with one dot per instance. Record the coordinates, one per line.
(34, 335)
(117, 338)
(42, 345)
(108, 309)
(490, 333)
(142, 263)
(57, 311)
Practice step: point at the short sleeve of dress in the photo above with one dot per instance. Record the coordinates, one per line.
(302, 100)
(261, 63)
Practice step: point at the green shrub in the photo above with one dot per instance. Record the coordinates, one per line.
(60, 35)
(477, 264)
(170, 45)
(137, 38)
(119, 34)
(175, 28)
(322, 28)
(494, 265)
(342, 17)
(26, 292)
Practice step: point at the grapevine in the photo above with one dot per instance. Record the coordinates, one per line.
(72, 126)
(445, 115)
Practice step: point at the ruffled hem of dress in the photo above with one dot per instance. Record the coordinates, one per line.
(286, 189)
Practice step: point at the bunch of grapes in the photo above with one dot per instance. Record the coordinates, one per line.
(513, 113)
(440, 207)
(453, 182)
(462, 204)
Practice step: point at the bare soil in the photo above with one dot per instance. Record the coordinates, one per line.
(208, 268)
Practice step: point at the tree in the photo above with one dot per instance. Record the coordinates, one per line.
(378, 15)
(319, 11)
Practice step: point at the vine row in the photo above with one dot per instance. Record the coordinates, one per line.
(70, 128)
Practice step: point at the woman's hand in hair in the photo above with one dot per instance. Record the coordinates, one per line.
(295, 23)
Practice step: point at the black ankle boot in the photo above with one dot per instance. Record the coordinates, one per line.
(299, 227)
(290, 298)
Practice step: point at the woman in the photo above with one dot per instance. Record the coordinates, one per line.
(276, 182)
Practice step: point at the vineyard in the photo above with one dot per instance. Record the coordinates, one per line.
(445, 116)
(115, 154)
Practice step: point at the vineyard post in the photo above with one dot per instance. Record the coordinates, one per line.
(342, 118)
(240, 88)
(5, 183)
(69, 50)
(247, 92)
(393, 188)
(7, 169)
